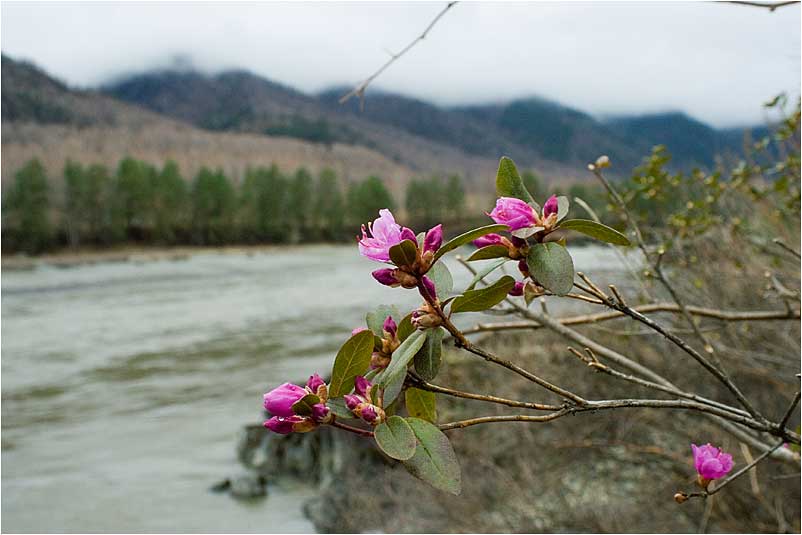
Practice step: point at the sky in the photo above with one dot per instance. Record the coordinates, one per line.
(718, 62)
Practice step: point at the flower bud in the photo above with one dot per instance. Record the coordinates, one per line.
(408, 234)
(680, 497)
(517, 289)
(523, 267)
(389, 326)
(362, 386)
(370, 414)
(488, 239)
(433, 239)
(379, 359)
(352, 401)
(429, 287)
(292, 424)
(602, 162)
(314, 383)
(321, 413)
(405, 279)
(550, 207)
(386, 276)
(280, 400)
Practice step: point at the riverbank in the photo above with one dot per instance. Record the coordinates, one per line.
(85, 257)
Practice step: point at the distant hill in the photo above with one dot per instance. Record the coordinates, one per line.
(213, 118)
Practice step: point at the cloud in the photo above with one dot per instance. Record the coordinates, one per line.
(716, 61)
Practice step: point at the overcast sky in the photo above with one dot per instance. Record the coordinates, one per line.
(717, 62)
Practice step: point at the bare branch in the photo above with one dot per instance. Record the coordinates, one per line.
(782, 244)
(790, 411)
(724, 315)
(359, 90)
(425, 385)
(771, 6)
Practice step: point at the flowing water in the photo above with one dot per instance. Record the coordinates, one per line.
(125, 385)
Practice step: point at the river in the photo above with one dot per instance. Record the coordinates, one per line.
(125, 385)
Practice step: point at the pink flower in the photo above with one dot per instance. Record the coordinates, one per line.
(550, 207)
(384, 233)
(361, 386)
(514, 213)
(488, 239)
(433, 239)
(280, 400)
(711, 463)
(352, 401)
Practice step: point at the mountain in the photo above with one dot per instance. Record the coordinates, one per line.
(236, 118)
(44, 118)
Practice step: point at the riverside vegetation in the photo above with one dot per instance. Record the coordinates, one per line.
(735, 381)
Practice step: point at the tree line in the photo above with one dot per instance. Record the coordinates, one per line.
(142, 203)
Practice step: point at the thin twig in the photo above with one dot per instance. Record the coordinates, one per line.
(425, 385)
(771, 6)
(789, 411)
(724, 315)
(359, 90)
(782, 244)
(355, 430)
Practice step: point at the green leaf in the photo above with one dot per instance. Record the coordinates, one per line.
(562, 207)
(525, 232)
(434, 460)
(509, 183)
(405, 327)
(404, 253)
(396, 438)
(401, 357)
(442, 279)
(482, 273)
(483, 298)
(393, 388)
(303, 406)
(552, 267)
(421, 404)
(468, 237)
(338, 407)
(352, 359)
(488, 252)
(375, 319)
(427, 359)
(595, 230)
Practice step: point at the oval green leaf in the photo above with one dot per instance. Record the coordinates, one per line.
(393, 388)
(552, 267)
(396, 438)
(303, 406)
(483, 298)
(434, 460)
(375, 319)
(442, 279)
(405, 327)
(563, 204)
(404, 253)
(488, 252)
(468, 237)
(401, 358)
(509, 183)
(352, 359)
(427, 359)
(595, 230)
(484, 272)
(421, 404)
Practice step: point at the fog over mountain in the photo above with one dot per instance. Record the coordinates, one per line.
(717, 62)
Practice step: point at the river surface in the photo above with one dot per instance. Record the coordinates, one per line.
(125, 385)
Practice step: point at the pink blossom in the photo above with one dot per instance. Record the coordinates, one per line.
(488, 239)
(711, 463)
(514, 213)
(384, 233)
(386, 276)
(320, 412)
(280, 400)
(550, 207)
(352, 401)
